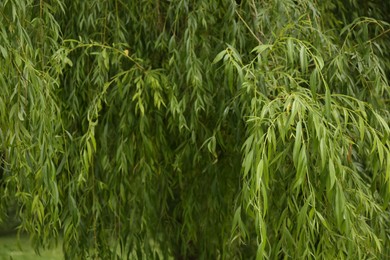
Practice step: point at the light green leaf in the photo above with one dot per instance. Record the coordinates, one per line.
(298, 142)
(219, 56)
(332, 174)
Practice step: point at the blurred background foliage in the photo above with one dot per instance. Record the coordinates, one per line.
(197, 129)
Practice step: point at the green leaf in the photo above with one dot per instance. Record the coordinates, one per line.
(332, 174)
(302, 216)
(328, 101)
(303, 59)
(314, 82)
(248, 162)
(323, 153)
(298, 142)
(261, 48)
(219, 56)
(4, 52)
(290, 50)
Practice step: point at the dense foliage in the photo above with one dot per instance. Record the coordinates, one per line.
(197, 129)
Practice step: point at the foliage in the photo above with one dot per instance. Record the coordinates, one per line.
(198, 129)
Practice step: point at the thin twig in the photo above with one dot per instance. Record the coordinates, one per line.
(247, 26)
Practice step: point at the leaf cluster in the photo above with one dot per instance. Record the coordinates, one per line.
(197, 129)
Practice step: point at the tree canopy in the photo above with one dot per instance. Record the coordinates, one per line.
(197, 129)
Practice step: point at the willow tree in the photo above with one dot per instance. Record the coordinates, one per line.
(202, 129)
